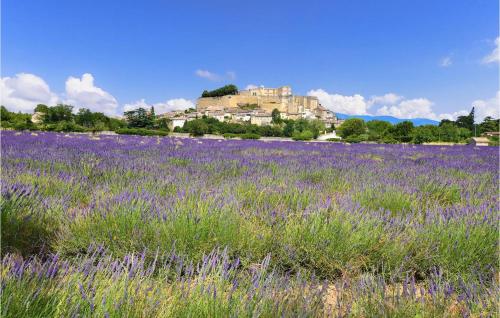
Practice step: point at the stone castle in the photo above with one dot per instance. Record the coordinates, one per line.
(265, 100)
(255, 106)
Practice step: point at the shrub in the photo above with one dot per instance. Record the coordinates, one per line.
(334, 139)
(494, 141)
(25, 229)
(356, 138)
(141, 132)
(305, 135)
(64, 126)
(389, 140)
(197, 127)
(352, 126)
(22, 125)
(230, 135)
(250, 136)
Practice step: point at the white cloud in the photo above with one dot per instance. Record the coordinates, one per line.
(417, 108)
(410, 108)
(494, 56)
(488, 107)
(207, 75)
(24, 91)
(446, 61)
(387, 99)
(81, 92)
(454, 115)
(250, 86)
(173, 104)
(162, 107)
(214, 77)
(351, 105)
(137, 104)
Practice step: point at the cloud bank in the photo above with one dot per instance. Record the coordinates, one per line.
(395, 105)
(23, 92)
(82, 92)
(487, 107)
(355, 104)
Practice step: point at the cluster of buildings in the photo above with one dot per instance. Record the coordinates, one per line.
(255, 105)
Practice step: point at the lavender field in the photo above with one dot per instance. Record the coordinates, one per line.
(129, 226)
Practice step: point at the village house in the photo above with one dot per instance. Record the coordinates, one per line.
(491, 134)
(219, 115)
(479, 141)
(261, 119)
(177, 122)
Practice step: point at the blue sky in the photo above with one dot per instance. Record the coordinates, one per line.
(404, 58)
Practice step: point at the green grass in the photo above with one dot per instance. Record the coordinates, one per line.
(26, 229)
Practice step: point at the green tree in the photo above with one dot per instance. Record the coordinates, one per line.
(270, 131)
(425, 133)
(464, 134)
(446, 121)
(162, 123)
(466, 121)
(5, 115)
(222, 91)
(303, 135)
(41, 108)
(448, 132)
(17, 121)
(276, 115)
(489, 124)
(197, 127)
(316, 126)
(59, 113)
(289, 128)
(84, 117)
(377, 129)
(351, 127)
(402, 131)
(139, 118)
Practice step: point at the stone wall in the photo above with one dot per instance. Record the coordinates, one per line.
(228, 101)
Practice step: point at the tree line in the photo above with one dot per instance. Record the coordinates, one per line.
(61, 118)
(222, 91)
(458, 131)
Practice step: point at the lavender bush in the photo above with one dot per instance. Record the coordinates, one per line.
(151, 226)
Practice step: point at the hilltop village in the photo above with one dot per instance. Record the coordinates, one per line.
(254, 113)
(255, 106)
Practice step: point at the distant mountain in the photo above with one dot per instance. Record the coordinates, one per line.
(392, 120)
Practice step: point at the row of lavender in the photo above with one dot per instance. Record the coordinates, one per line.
(172, 286)
(377, 216)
